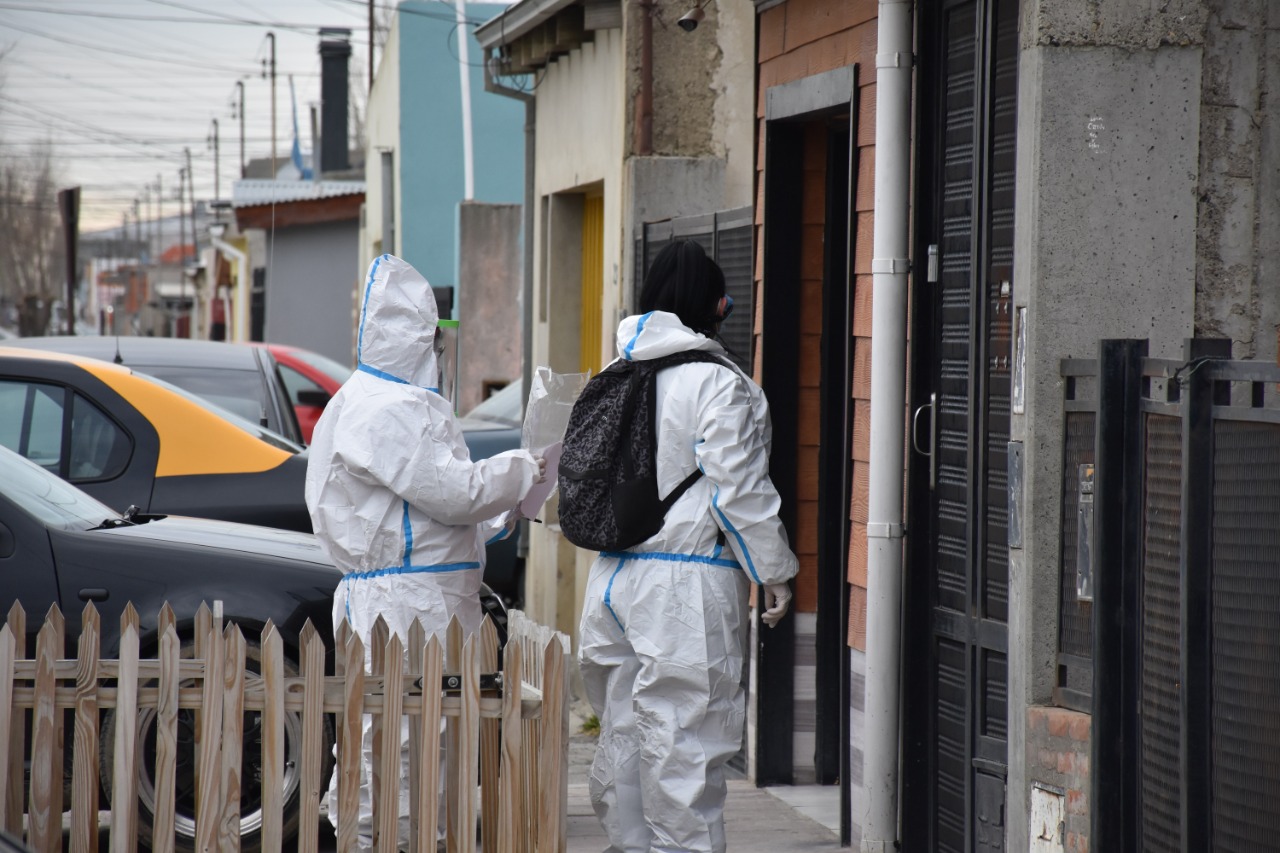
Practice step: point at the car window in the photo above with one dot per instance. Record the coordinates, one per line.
(275, 439)
(238, 391)
(295, 382)
(337, 372)
(31, 421)
(31, 425)
(100, 449)
(501, 408)
(48, 498)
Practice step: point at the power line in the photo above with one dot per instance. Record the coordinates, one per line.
(214, 18)
(114, 51)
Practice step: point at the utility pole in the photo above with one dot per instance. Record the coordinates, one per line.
(238, 112)
(191, 200)
(69, 205)
(271, 72)
(217, 169)
(151, 223)
(371, 33)
(137, 229)
(159, 219)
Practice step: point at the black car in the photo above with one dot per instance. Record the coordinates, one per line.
(60, 546)
(241, 379)
(490, 428)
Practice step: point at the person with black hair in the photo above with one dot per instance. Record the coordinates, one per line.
(662, 642)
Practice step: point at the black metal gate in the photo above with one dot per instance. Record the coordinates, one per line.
(957, 598)
(1186, 609)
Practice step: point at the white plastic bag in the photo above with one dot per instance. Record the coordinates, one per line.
(551, 399)
(546, 416)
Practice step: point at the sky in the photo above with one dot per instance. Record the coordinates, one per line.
(122, 88)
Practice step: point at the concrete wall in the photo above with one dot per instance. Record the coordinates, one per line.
(1108, 161)
(430, 150)
(312, 271)
(1238, 234)
(490, 273)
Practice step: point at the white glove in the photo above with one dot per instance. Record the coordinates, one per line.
(777, 597)
(542, 469)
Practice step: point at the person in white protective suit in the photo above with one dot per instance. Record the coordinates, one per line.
(664, 623)
(393, 494)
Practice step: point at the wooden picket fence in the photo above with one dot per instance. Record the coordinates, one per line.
(505, 745)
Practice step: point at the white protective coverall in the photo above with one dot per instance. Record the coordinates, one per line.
(393, 494)
(664, 624)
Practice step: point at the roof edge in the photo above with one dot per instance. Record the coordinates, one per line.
(518, 20)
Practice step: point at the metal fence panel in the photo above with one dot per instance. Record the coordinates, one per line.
(1160, 712)
(1245, 745)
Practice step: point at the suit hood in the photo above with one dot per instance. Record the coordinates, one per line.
(398, 320)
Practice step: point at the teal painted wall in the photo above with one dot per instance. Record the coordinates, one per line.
(430, 151)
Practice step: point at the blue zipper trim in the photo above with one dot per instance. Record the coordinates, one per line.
(364, 305)
(390, 377)
(608, 591)
(497, 537)
(728, 525)
(714, 560)
(631, 344)
(410, 570)
(408, 535)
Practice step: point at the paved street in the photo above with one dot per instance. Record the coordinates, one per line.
(756, 821)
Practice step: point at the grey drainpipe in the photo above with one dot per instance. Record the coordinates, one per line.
(889, 267)
(526, 291)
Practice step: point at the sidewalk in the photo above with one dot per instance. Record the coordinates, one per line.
(756, 821)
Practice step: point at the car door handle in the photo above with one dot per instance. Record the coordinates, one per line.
(93, 593)
(932, 406)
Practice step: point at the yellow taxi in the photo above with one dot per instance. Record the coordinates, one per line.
(133, 441)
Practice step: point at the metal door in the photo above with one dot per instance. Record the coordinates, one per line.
(957, 713)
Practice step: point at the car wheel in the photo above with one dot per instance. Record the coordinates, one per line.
(186, 781)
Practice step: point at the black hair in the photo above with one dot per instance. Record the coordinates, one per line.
(684, 281)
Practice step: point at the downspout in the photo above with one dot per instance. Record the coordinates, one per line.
(643, 132)
(889, 266)
(242, 287)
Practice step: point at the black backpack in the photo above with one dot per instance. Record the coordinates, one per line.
(608, 469)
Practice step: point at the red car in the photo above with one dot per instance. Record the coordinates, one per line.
(310, 379)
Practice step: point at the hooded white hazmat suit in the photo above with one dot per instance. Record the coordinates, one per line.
(664, 624)
(393, 494)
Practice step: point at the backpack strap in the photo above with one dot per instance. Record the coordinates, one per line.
(657, 364)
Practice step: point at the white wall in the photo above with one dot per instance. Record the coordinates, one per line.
(580, 102)
(382, 129)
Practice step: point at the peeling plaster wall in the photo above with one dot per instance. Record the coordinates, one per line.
(1238, 240)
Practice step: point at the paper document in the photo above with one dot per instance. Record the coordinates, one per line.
(532, 503)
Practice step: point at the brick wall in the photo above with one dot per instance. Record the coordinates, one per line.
(1058, 743)
(797, 39)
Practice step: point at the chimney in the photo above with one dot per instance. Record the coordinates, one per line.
(335, 51)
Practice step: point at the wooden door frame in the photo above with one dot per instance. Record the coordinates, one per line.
(788, 109)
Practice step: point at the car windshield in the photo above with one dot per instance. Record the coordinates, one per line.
(273, 438)
(49, 498)
(335, 371)
(502, 408)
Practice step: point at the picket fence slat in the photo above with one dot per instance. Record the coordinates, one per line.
(84, 760)
(498, 767)
(387, 810)
(490, 739)
(162, 836)
(271, 728)
(349, 743)
(230, 745)
(427, 758)
(124, 782)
